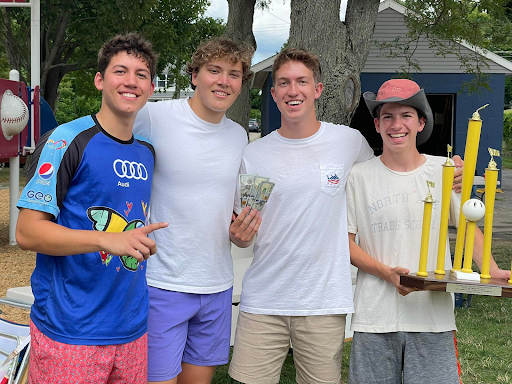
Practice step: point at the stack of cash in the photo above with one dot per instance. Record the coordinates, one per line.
(254, 191)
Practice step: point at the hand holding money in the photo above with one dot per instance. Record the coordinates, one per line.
(245, 227)
(254, 191)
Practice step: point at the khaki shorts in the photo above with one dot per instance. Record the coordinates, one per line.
(262, 343)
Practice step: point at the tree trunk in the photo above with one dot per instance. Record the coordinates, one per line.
(239, 28)
(53, 58)
(342, 46)
(50, 86)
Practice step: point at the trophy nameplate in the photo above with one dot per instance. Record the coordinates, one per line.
(448, 283)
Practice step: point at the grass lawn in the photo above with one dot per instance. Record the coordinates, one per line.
(485, 332)
(507, 162)
(484, 337)
(4, 177)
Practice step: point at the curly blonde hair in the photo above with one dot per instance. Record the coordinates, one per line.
(224, 49)
(309, 59)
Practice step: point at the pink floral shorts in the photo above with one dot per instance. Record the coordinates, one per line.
(52, 362)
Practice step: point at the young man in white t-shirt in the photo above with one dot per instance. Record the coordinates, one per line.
(198, 152)
(396, 335)
(298, 287)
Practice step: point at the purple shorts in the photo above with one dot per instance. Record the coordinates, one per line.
(189, 328)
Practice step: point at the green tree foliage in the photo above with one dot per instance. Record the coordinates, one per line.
(4, 63)
(507, 130)
(481, 23)
(72, 31)
(176, 28)
(255, 114)
(70, 106)
(255, 99)
(508, 92)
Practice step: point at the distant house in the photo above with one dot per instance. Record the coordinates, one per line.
(164, 89)
(441, 77)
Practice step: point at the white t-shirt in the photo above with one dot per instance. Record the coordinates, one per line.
(194, 183)
(301, 258)
(385, 208)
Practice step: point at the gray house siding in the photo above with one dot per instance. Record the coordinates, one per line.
(390, 25)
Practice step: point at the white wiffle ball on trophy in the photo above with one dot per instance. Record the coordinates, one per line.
(13, 114)
(473, 209)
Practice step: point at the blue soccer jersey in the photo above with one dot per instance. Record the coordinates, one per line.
(90, 180)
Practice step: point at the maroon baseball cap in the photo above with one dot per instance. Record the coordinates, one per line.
(407, 92)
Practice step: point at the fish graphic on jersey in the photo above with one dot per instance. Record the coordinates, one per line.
(108, 220)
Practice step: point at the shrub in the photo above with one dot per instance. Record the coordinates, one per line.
(256, 114)
(507, 129)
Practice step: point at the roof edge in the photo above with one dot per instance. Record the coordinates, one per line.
(263, 64)
(391, 4)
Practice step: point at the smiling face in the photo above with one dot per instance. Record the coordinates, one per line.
(218, 84)
(295, 92)
(398, 126)
(126, 85)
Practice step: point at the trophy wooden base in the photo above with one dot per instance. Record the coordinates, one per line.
(448, 283)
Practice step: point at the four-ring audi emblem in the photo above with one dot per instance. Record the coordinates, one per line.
(130, 169)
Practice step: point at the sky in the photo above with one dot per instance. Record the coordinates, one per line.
(270, 27)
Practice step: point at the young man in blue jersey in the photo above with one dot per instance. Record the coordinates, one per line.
(85, 211)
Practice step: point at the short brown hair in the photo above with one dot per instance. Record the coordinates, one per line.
(133, 44)
(309, 59)
(224, 49)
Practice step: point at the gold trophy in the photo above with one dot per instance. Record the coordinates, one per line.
(461, 279)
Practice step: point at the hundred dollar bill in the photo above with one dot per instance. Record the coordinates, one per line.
(246, 183)
(257, 181)
(261, 198)
(253, 196)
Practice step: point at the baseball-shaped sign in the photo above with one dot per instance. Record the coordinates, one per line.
(473, 209)
(13, 114)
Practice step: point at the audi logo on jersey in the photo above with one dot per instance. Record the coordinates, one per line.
(130, 170)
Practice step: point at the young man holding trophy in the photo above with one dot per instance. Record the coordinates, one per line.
(399, 335)
(298, 287)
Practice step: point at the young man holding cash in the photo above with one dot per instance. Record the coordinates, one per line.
(400, 336)
(299, 285)
(198, 152)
